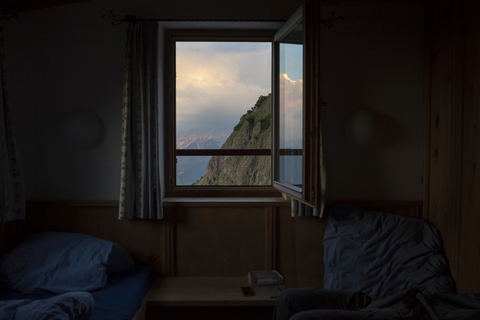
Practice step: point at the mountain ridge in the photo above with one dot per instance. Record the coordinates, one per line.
(253, 131)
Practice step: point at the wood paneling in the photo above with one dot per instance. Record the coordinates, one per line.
(200, 240)
(143, 239)
(451, 151)
(469, 242)
(221, 241)
(301, 250)
(445, 61)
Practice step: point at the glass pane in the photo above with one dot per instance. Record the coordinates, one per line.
(221, 88)
(223, 100)
(226, 171)
(190, 169)
(291, 107)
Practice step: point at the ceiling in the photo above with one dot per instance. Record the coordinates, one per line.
(17, 6)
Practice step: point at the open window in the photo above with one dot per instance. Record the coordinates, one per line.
(290, 157)
(296, 115)
(218, 123)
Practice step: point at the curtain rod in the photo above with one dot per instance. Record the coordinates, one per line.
(132, 19)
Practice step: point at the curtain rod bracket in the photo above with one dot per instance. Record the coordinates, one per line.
(115, 20)
(329, 22)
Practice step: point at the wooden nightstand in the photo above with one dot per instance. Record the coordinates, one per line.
(203, 293)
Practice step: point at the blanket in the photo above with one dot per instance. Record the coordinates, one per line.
(381, 254)
(380, 266)
(67, 306)
(412, 303)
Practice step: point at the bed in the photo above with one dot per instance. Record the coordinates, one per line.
(71, 276)
(380, 266)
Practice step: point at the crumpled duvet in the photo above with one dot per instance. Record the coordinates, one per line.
(411, 304)
(381, 254)
(380, 266)
(67, 306)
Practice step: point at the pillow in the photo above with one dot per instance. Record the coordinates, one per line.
(62, 262)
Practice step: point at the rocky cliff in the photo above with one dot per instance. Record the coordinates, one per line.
(252, 132)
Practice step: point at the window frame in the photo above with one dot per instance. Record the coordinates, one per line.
(171, 189)
(311, 191)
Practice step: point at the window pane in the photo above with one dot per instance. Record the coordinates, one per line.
(291, 108)
(219, 82)
(229, 171)
(223, 100)
(190, 169)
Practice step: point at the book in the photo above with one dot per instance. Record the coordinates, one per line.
(265, 278)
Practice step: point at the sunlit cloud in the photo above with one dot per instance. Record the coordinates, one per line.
(291, 106)
(217, 84)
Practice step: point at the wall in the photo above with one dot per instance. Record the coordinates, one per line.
(64, 58)
(373, 60)
(200, 241)
(452, 113)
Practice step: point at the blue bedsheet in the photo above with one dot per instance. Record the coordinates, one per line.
(123, 294)
(118, 300)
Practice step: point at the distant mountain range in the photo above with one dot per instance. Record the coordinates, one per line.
(209, 138)
(252, 131)
(190, 168)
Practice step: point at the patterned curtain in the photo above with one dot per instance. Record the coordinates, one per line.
(299, 209)
(140, 193)
(12, 189)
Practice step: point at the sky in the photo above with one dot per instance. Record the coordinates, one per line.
(291, 97)
(217, 82)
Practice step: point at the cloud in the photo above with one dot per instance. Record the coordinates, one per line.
(291, 106)
(219, 82)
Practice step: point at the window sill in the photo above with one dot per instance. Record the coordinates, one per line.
(226, 202)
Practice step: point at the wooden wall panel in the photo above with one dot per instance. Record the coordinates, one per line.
(451, 141)
(143, 239)
(201, 240)
(445, 65)
(300, 256)
(220, 241)
(469, 241)
(11, 233)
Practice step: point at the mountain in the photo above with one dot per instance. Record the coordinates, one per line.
(210, 138)
(189, 168)
(253, 132)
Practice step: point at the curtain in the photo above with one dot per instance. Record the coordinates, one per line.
(12, 189)
(140, 186)
(299, 209)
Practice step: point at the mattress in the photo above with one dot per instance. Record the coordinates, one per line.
(119, 299)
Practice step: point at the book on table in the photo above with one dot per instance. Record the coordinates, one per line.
(265, 278)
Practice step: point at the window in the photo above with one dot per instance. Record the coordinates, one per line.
(279, 126)
(223, 113)
(219, 119)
